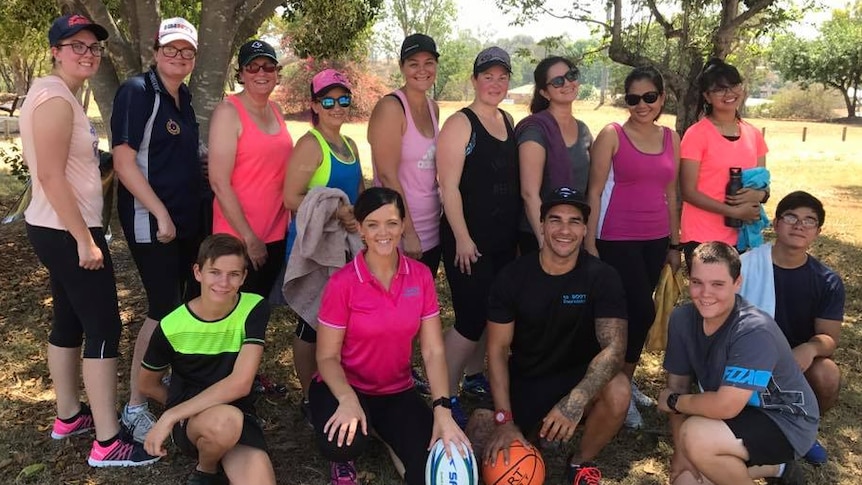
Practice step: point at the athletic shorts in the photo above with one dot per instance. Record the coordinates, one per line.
(532, 398)
(764, 440)
(166, 273)
(84, 301)
(304, 331)
(251, 435)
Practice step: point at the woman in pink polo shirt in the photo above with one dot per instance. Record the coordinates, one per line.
(709, 148)
(371, 311)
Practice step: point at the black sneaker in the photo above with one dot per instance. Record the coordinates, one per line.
(198, 477)
(584, 474)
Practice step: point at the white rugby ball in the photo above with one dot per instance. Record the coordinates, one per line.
(457, 470)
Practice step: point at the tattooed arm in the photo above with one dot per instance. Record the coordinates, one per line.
(560, 423)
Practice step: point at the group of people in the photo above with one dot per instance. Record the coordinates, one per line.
(552, 244)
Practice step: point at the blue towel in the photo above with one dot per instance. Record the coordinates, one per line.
(751, 233)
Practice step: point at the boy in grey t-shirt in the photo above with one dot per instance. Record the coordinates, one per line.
(755, 413)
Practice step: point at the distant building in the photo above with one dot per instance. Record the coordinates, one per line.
(522, 94)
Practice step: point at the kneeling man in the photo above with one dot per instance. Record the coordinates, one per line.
(755, 413)
(556, 342)
(213, 345)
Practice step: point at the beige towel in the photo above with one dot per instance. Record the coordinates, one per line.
(321, 248)
(667, 293)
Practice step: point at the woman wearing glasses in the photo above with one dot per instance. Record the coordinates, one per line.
(632, 191)
(155, 147)
(323, 158)
(553, 146)
(249, 148)
(710, 147)
(64, 226)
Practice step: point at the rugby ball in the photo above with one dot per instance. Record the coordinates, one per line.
(457, 470)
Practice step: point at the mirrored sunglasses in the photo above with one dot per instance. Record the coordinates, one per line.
(649, 98)
(329, 102)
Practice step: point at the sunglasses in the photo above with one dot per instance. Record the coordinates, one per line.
(560, 81)
(267, 68)
(648, 97)
(329, 103)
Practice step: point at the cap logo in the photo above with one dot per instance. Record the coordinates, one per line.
(177, 26)
(256, 45)
(78, 20)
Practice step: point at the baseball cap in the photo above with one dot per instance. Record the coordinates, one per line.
(253, 49)
(492, 56)
(326, 80)
(417, 43)
(177, 28)
(565, 195)
(69, 25)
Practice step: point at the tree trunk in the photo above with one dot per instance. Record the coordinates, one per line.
(849, 102)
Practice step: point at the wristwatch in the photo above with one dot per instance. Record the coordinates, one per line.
(446, 402)
(675, 246)
(671, 401)
(502, 416)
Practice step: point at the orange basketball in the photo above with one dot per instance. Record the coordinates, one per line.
(525, 467)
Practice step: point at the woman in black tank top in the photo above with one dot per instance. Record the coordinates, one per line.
(477, 161)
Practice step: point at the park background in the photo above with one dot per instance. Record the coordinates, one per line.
(802, 61)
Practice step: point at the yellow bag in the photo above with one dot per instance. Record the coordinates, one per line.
(667, 294)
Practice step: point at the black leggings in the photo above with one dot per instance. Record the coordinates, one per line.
(403, 421)
(259, 281)
(639, 264)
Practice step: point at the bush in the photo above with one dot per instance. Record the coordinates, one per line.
(13, 158)
(587, 91)
(796, 103)
(294, 96)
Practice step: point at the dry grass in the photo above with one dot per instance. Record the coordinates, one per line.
(823, 165)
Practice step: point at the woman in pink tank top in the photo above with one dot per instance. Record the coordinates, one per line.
(249, 147)
(632, 192)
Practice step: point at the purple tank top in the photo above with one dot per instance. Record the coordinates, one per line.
(633, 202)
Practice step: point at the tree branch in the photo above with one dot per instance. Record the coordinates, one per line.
(669, 31)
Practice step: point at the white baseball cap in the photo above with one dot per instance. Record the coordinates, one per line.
(178, 28)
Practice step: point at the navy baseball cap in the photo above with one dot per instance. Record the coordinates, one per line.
(253, 49)
(565, 195)
(69, 25)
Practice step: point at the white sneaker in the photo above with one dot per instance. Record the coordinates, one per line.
(633, 417)
(640, 398)
(138, 423)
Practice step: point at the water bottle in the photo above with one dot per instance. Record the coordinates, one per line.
(732, 187)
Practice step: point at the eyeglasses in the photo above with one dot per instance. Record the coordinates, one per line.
(793, 219)
(725, 90)
(648, 97)
(80, 48)
(329, 103)
(560, 81)
(171, 51)
(267, 68)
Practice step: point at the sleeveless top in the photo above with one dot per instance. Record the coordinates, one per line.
(82, 163)
(333, 173)
(634, 202)
(258, 178)
(490, 186)
(417, 174)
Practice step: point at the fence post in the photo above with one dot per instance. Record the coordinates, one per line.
(763, 132)
(804, 133)
(844, 134)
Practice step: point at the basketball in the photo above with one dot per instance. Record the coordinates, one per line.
(525, 467)
(458, 470)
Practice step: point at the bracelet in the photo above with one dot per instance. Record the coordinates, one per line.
(671, 402)
(446, 402)
(675, 246)
(765, 196)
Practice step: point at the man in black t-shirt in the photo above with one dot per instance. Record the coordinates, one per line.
(808, 297)
(561, 314)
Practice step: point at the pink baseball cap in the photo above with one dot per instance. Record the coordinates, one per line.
(326, 80)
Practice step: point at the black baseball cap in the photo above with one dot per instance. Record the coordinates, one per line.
(565, 195)
(69, 25)
(417, 43)
(253, 49)
(492, 56)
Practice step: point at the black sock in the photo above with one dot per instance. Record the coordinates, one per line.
(84, 409)
(473, 376)
(109, 441)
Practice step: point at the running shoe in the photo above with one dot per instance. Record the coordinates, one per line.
(793, 475)
(477, 385)
(138, 422)
(343, 473)
(634, 420)
(817, 455)
(198, 477)
(82, 423)
(640, 398)
(420, 384)
(264, 385)
(584, 474)
(458, 412)
(122, 452)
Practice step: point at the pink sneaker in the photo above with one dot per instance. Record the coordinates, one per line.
(343, 473)
(122, 452)
(83, 423)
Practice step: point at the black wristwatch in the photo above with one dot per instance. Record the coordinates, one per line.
(443, 401)
(765, 196)
(675, 246)
(671, 401)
